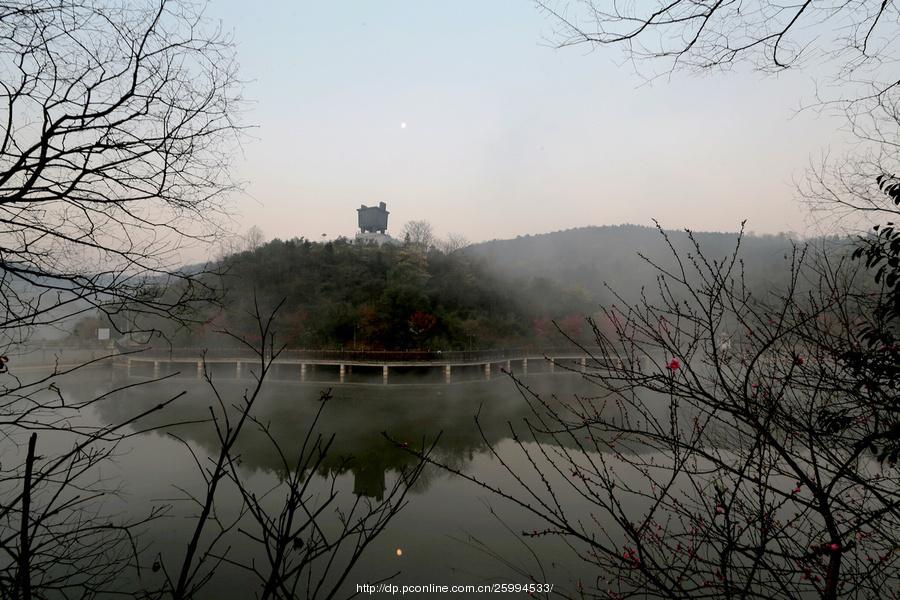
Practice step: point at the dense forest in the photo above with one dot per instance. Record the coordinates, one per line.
(347, 295)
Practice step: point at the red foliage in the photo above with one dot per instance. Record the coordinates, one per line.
(572, 325)
(543, 327)
(422, 322)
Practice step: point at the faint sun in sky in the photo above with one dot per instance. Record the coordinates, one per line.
(403, 125)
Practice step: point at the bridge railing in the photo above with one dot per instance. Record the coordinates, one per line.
(378, 356)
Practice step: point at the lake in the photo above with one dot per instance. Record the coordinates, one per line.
(450, 531)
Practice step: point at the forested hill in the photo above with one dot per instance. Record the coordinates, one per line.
(342, 294)
(589, 256)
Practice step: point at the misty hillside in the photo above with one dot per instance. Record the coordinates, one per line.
(343, 294)
(587, 257)
(503, 293)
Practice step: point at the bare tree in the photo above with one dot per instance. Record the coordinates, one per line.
(851, 51)
(117, 124)
(452, 243)
(118, 120)
(59, 539)
(419, 233)
(773, 36)
(849, 48)
(254, 238)
(304, 542)
(309, 552)
(55, 539)
(728, 452)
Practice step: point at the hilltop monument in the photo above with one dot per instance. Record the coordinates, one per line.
(373, 222)
(373, 219)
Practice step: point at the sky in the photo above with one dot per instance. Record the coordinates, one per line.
(464, 114)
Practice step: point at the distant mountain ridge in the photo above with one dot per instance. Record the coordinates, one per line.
(590, 257)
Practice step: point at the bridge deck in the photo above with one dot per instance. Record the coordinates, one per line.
(355, 369)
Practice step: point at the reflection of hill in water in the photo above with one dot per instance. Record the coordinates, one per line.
(356, 416)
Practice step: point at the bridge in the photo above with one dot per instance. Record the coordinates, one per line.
(362, 367)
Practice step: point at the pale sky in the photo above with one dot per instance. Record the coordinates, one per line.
(504, 135)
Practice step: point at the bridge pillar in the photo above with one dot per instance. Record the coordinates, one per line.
(524, 366)
(552, 364)
(447, 376)
(237, 370)
(302, 372)
(509, 366)
(199, 369)
(343, 374)
(384, 374)
(155, 369)
(487, 370)
(583, 364)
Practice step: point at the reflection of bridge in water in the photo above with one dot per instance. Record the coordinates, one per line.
(365, 367)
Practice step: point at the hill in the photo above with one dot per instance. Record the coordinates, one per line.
(503, 293)
(343, 294)
(587, 259)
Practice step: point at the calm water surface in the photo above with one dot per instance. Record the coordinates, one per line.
(449, 532)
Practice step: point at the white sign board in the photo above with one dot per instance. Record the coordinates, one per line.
(103, 333)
